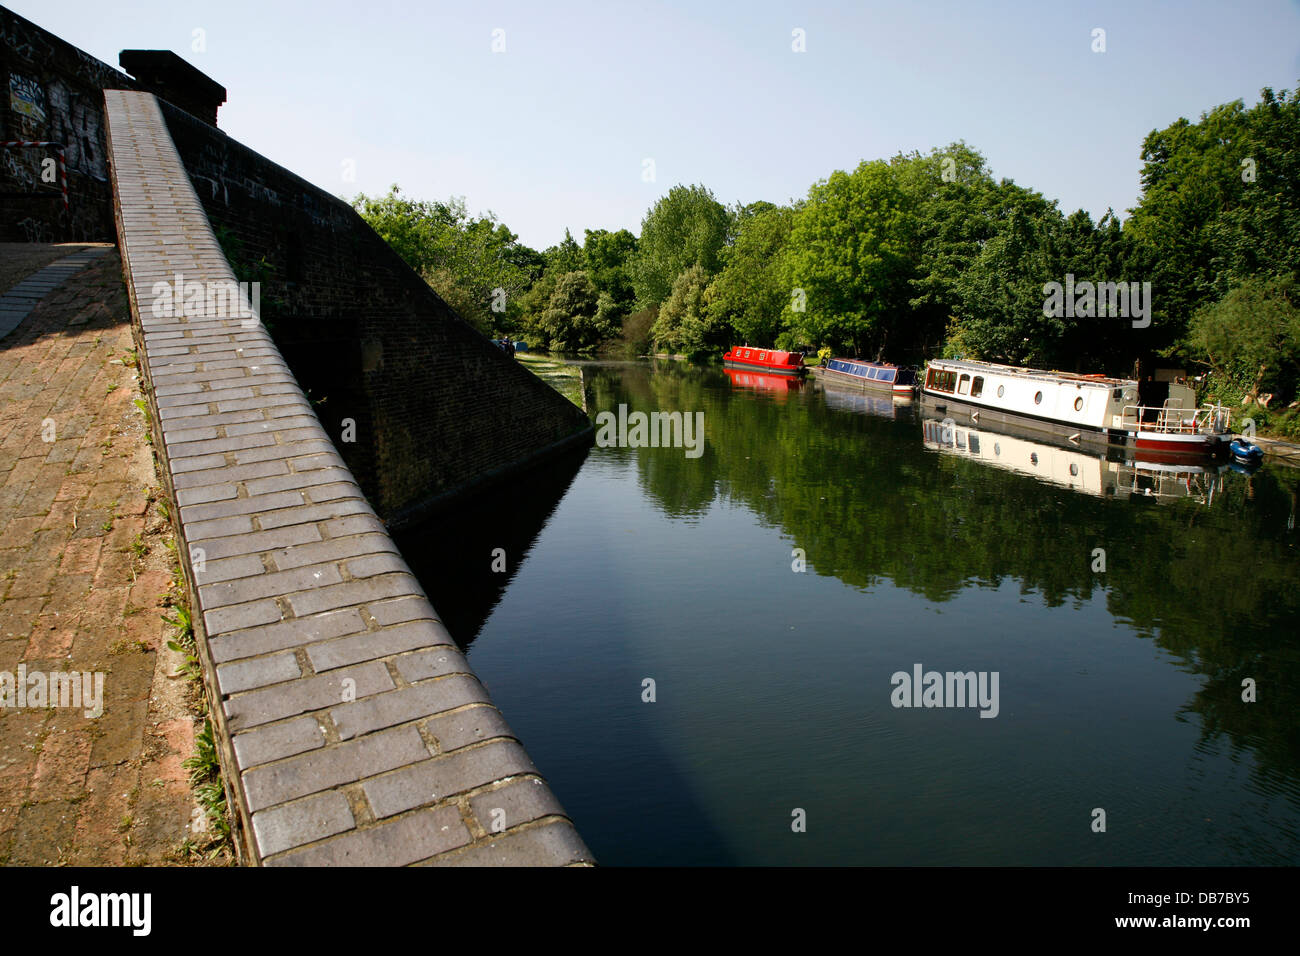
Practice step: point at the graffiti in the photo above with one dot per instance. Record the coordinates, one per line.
(25, 98)
(20, 46)
(36, 231)
(17, 171)
(77, 124)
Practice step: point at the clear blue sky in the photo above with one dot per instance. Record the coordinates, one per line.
(553, 132)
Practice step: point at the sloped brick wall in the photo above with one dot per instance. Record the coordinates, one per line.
(353, 731)
(437, 408)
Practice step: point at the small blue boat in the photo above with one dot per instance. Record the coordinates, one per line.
(1246, 452)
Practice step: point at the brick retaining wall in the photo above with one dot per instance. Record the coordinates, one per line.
(436, 407)
(353, 730)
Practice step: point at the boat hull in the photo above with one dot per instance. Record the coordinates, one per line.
(866, 384)
(964, 411)
(1178, 447)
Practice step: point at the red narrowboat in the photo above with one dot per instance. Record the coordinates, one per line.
(771, 361)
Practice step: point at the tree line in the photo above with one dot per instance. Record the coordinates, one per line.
(923, 255)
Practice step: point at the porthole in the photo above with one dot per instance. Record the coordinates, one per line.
(1038, 398)
(1002, 390)
(1074, 470)
(1078, 404)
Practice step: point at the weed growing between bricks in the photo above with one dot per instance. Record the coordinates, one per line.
(210, 840)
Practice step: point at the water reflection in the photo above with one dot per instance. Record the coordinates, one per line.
(843, 398)
(849, 483)
(761, 381)
(456, 554)
(976, 548)
(1115, 474)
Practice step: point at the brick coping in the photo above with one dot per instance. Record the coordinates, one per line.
(353, 730)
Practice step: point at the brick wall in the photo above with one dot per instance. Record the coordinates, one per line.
(50, 90)
(351, 729)
(437, 408)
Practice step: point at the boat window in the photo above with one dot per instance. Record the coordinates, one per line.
(871, 373)
(974, 441)
(977, 386)
(963, 385)
(940, 380)
(1078, 404)
(1038, 398)
(886, 375)
(762, 356)
(1002, 390)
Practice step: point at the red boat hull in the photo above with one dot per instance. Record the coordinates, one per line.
(767, 361)
(1172, 451)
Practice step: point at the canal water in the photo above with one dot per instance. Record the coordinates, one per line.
(1125, 612)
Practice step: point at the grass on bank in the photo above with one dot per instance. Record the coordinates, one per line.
(561, 376)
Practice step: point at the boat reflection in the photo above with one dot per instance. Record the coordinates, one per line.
(1117, 473)
(851, 398)
(763, 382)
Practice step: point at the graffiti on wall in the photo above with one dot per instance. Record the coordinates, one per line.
(26, 98)
(77, 122)
(53, 113)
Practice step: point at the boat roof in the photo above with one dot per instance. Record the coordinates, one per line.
(1041, 374)
(856, 361)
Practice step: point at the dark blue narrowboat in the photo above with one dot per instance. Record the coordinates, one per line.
(900, 380)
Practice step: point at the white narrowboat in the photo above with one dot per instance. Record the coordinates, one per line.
(1161, 419)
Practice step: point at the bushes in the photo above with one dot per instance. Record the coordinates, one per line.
(576, 318)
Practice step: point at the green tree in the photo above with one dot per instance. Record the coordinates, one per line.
(685, 228)
(752, 293)
(574, 320)
(954, 202)
(564, 257)
(476, 264)
(684, 324)
(606, 257)
(1220, 204)
(1002, 294)
(849, 254)
(1250, 338)
(416, 230)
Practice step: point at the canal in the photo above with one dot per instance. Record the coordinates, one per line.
(824, 542)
